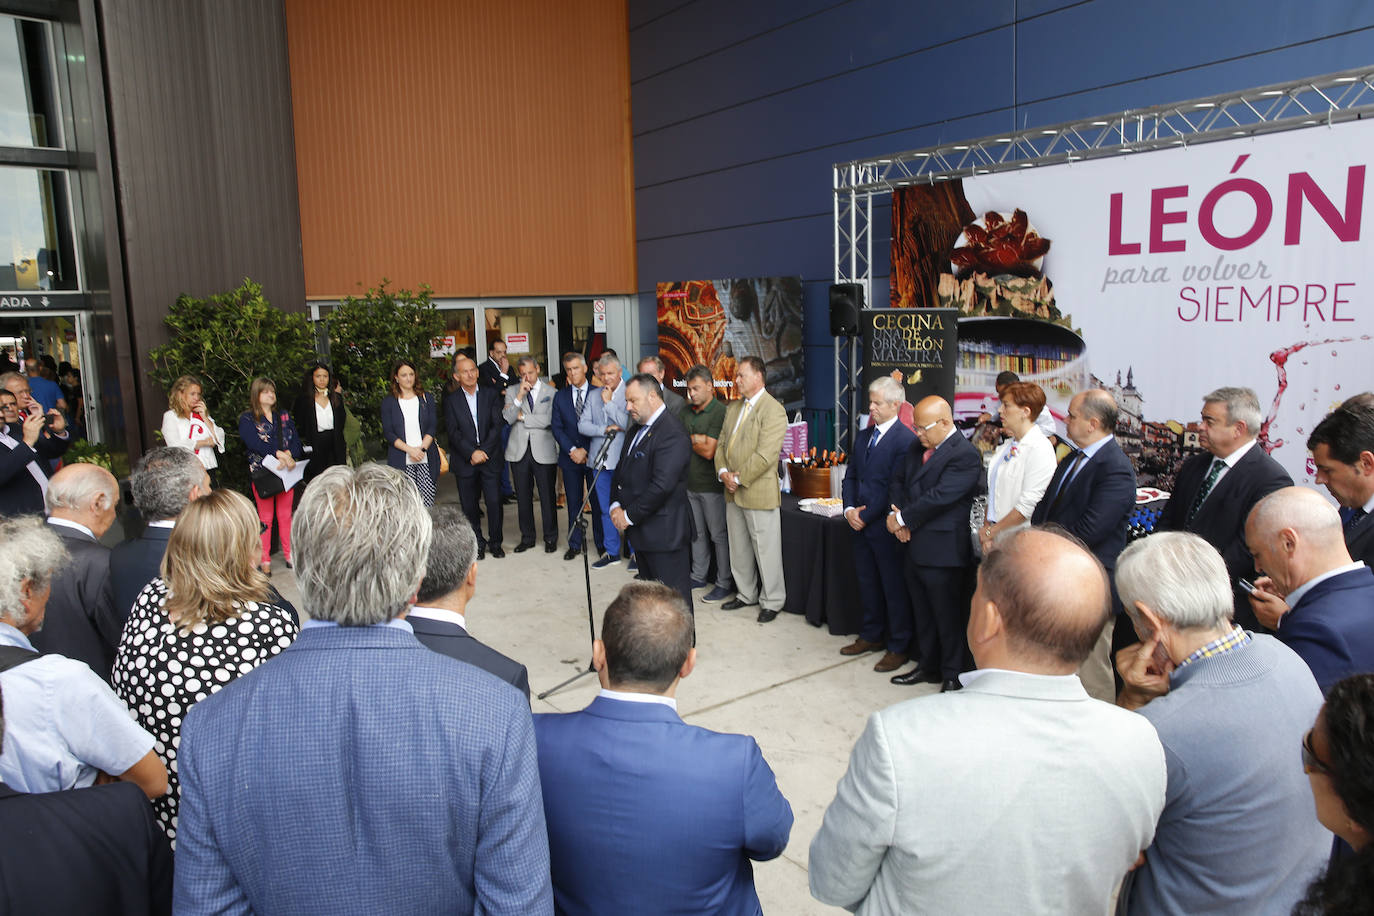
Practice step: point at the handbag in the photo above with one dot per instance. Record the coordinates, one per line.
(443, 459)
(266, 483)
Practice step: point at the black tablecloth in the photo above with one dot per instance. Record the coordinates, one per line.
(818, 563)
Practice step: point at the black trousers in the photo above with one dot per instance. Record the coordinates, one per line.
(671, 567)
(482, 480)
(527, 474)
(935, 593)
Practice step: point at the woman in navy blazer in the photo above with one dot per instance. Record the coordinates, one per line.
(409, 421)
(267, 430)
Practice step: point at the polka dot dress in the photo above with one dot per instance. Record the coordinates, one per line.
(162, 671)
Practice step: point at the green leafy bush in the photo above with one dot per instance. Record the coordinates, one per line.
(227, 341)
(367, 334)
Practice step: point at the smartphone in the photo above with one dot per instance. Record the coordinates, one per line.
(1247, 585)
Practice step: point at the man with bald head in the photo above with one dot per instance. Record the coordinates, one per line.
(472, 414)
(1318, 601)
(1010, 770)
(1091, 496)
(931, 492)
(82, 622)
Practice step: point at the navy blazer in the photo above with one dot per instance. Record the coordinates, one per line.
(1097, 504)
(650, 483)
(455, 642)
(258, 449)
(394, 427)
(565, 421)
(935, 497)
(133, 564)
(869, 477)
(82, 622)
(94, 850)
(360, 772)
(648, 814)
(1332, 627)
(464, 437)
(20, 493)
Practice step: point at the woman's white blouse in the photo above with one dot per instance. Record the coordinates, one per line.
(1019, 474)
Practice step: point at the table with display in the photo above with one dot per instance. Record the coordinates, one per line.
(818, 564)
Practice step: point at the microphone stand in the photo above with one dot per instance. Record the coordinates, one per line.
(599, 463)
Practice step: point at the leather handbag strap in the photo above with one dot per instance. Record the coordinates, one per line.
(14, 656)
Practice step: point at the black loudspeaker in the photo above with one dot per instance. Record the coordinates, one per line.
(846, 299)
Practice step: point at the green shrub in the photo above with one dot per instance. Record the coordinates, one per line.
(367, 334)
(227, 341)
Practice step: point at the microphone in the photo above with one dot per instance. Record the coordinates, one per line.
(600, 461)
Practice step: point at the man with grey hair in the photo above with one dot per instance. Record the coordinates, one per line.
(532, 452)
(65, 726)
(604, 418)
(29, 442)
(163, 482)
(1216, 489)
(82, 622)
(359, 771)
(1206, 684)
(439, 615)
(1318, 601)
(653, 365)
(1018, 793)
(646, 813)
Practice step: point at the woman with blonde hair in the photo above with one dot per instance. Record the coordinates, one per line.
(268, 432)
(187, 424)
(210, 617)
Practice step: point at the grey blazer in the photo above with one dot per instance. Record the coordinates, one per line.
(535, 432)
(1059, 790)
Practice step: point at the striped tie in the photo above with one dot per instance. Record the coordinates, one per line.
(1217, 466)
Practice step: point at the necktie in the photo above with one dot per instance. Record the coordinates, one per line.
(1073, 463)
(580, 399)
(1357, 517)
(529, 399)
(872, 441)
(1210, 481)
(639, 436)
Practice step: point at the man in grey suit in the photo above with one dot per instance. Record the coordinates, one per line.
(439, 615)
(82, 622)
(400, 781)
(532, 452)
(1021, 768)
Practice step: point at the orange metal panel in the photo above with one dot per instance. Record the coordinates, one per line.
(482, 148)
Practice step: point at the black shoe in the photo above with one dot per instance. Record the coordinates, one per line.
(767, 616)
(551, 548)
(736, 604)
(605, 561)
(508, 499)
(481, 551)
(917, 675)
(951, 684)
(521, 548)
(571, 553)
(498, 552)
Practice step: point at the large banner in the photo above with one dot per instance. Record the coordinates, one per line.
(716, 322)
(917, 347)
(1160, 276)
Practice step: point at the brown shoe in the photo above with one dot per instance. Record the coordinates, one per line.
(860, 646)
(890, 662)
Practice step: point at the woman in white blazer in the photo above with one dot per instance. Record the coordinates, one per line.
(187, 424)
(1021, 467)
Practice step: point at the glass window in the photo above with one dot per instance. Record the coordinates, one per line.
(36, 240)
(29, 115)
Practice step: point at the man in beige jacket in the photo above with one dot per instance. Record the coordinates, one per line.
(747, 464)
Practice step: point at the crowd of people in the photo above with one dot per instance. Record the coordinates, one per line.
(1178, 724)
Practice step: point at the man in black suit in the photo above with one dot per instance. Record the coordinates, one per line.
(574, 460)
(439, 615)
(1091, 496)
(649, 490)
(1216, 490)
(92, 850)
(163, 482)
(472, 416)
(82, 622)
(931, 493)
(1343, 450)
(27, 437)
(497, 374)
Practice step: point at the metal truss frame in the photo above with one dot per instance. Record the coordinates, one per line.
(1334, 98)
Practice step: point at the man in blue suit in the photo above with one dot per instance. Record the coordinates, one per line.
(647, 814)
(574, 455)
(931, 494)
(878, 451)
(1319, 602)
(605, 415)
(358, 771)
(1091, 496)
(163, 482)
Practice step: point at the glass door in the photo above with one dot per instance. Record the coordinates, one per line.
(524, 329)
(58, 341)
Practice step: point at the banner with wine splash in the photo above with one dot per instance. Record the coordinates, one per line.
(1159, 276)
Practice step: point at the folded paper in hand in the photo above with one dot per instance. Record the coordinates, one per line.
(288, 478)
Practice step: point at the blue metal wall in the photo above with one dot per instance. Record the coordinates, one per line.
(740, 107)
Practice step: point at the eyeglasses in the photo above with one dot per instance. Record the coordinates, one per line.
(1311, 763)
(929, 426)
